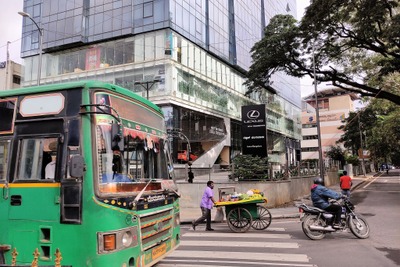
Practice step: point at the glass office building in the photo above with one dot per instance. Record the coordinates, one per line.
(187, 56)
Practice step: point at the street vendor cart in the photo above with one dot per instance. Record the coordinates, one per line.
(244, 210)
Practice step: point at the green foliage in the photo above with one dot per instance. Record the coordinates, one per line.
(336, 153)
(379, 126)
(249, 167)
(204, 94)
(352, 159)
(355, 44)
(356, 127)
(279, 175)
(294, 171)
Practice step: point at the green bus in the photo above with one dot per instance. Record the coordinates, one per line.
(86, 178)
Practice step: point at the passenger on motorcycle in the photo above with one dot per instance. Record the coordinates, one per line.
(320, 196)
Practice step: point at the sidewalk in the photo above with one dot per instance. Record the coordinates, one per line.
(289, 210)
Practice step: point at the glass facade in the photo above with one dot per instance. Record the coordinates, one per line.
(202, 130)
(247, 20)
(197, 50)
(219, 28)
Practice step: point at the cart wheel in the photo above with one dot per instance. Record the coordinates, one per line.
(239, 220)
(263, 220)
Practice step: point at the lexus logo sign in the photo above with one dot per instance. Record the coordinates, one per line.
(253, 114)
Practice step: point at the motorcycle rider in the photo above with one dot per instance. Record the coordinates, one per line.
(320, 196)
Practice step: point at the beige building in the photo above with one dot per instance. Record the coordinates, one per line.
(334, 106)
(10, 75)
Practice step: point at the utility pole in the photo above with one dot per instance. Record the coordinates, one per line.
(361, 147)
(321, 163)
(7, 65)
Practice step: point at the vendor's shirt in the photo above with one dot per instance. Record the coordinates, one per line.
(206, 201)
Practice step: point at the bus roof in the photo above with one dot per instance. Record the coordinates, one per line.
(72, 85)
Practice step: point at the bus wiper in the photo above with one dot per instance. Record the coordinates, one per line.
(141, 192)
(173, 191)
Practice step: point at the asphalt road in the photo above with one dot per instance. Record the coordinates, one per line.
(284, 243)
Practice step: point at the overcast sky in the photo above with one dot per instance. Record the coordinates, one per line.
(10, 29)
(11, 26)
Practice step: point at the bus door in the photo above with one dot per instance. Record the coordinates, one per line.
(34, 193)
(4, 154)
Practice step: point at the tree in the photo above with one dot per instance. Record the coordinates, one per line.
(356, 126)
(336, 153)
(379, 124)
(355, 44)
(384, 139)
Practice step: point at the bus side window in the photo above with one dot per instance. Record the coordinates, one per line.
(33, 155)
(4, 144)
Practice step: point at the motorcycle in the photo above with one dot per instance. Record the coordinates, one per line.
(317, 222)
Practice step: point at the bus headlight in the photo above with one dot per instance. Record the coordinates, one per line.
(127, 239)
(111, 241)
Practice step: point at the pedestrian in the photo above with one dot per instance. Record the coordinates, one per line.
(190, 176)
(345, 184)
(320, 196)
(207, 203)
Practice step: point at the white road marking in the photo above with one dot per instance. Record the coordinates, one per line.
(252, 235)
(238, 244)
(292, 264)
(220, 255)
(365, 186)
(211, 250)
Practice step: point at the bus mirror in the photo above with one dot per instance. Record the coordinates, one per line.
(117, 136)
(76, 166)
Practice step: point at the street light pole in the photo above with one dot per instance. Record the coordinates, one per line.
(147, 85)
(321, 165)
(361, 147)
(27, 15)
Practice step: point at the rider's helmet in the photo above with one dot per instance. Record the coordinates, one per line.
(319, 180)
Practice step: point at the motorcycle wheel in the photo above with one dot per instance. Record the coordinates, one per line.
(313, 220)
(359, 226)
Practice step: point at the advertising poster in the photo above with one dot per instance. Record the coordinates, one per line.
(254, 131)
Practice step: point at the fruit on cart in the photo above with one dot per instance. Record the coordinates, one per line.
(243, 196)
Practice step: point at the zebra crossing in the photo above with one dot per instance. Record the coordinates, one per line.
(271, 247)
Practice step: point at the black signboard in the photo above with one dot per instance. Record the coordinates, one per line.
(254, 131)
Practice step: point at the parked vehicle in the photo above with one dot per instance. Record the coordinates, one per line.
(317, 222)
(183, 156)
(386, 166)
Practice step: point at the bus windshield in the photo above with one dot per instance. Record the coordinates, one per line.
(127, 166)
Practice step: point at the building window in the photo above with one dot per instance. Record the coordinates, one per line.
(310, 137)
(309, 125)
(16, 79)
(147, 10)
(309, 149)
